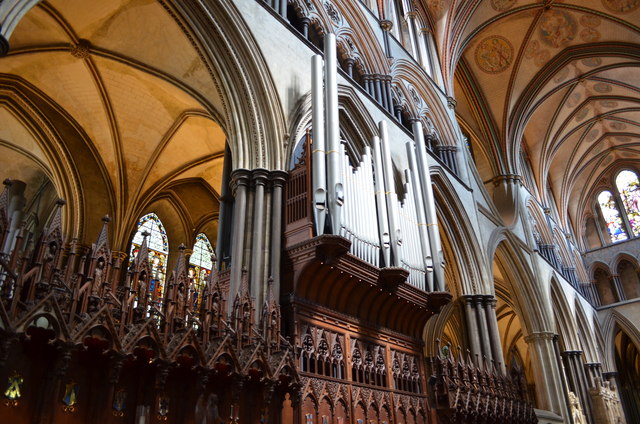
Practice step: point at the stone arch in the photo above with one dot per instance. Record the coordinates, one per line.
(628, 271)
(434, 109)
(351, 109)
(613, 322)
(538, 223)
(458, 237)
(564, 317)
(586, 334)
(601, 277)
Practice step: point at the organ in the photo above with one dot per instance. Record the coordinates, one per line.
(359, 201)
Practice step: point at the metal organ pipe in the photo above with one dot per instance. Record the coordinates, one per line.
(422, 219)
(430, 207)
(319, 167)
(381, 203)
(411, 258)
(391, 195)
(334, 170)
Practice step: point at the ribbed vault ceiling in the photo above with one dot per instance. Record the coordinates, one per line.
(136, 88)
(559, 79)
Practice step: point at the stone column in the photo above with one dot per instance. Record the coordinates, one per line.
(349, 63)
(386, 26)
(259, 180)
(578, 380)
(616, 284)
(472, 325)
(411, 26)
(378, 89)
(494, 333)
(239, 183)
(278, 179)
(548, 383)
(563, 376)
(225, 213)
(485, 342)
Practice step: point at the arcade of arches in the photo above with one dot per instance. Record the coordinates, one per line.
(320, 211)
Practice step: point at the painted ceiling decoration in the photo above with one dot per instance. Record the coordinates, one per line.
(559, 80)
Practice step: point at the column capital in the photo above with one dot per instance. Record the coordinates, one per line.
(278, 178)
(259, 176)
(490, 300)
(469, 299)
(239, 177)
(540, 336)
(451, 102)
(116, 254)
(386, 25)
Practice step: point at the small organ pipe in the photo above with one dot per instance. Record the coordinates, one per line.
(319, 170)
(430, 207)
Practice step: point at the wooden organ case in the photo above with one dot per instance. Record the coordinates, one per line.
(354, 304)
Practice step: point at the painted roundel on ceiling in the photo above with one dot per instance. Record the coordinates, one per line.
(621, 6)
(502, 5)
(557, 28)
(494, 54)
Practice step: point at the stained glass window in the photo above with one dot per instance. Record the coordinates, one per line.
(629, 188)
(611, 216)
(200, 266)
(158, 251)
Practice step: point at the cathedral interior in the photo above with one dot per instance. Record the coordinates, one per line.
(320, 211)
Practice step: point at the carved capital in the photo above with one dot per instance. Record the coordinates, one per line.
(278, 178)
(540, 336)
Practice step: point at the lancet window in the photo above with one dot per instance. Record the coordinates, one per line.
(200, 266)
(158, 245)
(629, 189)
(620, 208)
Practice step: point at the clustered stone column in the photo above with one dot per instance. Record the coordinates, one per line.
(255, 232)
(379, 87)
(616, 284)
(577, 379)
(484, 335)
(550, 394)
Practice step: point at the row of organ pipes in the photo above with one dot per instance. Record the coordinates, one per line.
(360, 203)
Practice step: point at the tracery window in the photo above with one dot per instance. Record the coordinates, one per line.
(158, 244)
(629, 189)
(611, 216)
(200, 266)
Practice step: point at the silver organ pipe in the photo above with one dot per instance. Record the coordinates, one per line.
(381, 203)
(421, 214)
(391, 196)
(334, 183)
(430, 207)
(318, 157)
(361, 200)
(359, 223)
(412, 258)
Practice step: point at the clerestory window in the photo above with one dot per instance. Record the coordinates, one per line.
(620, 207)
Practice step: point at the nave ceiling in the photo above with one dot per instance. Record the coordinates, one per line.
(557, 79)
